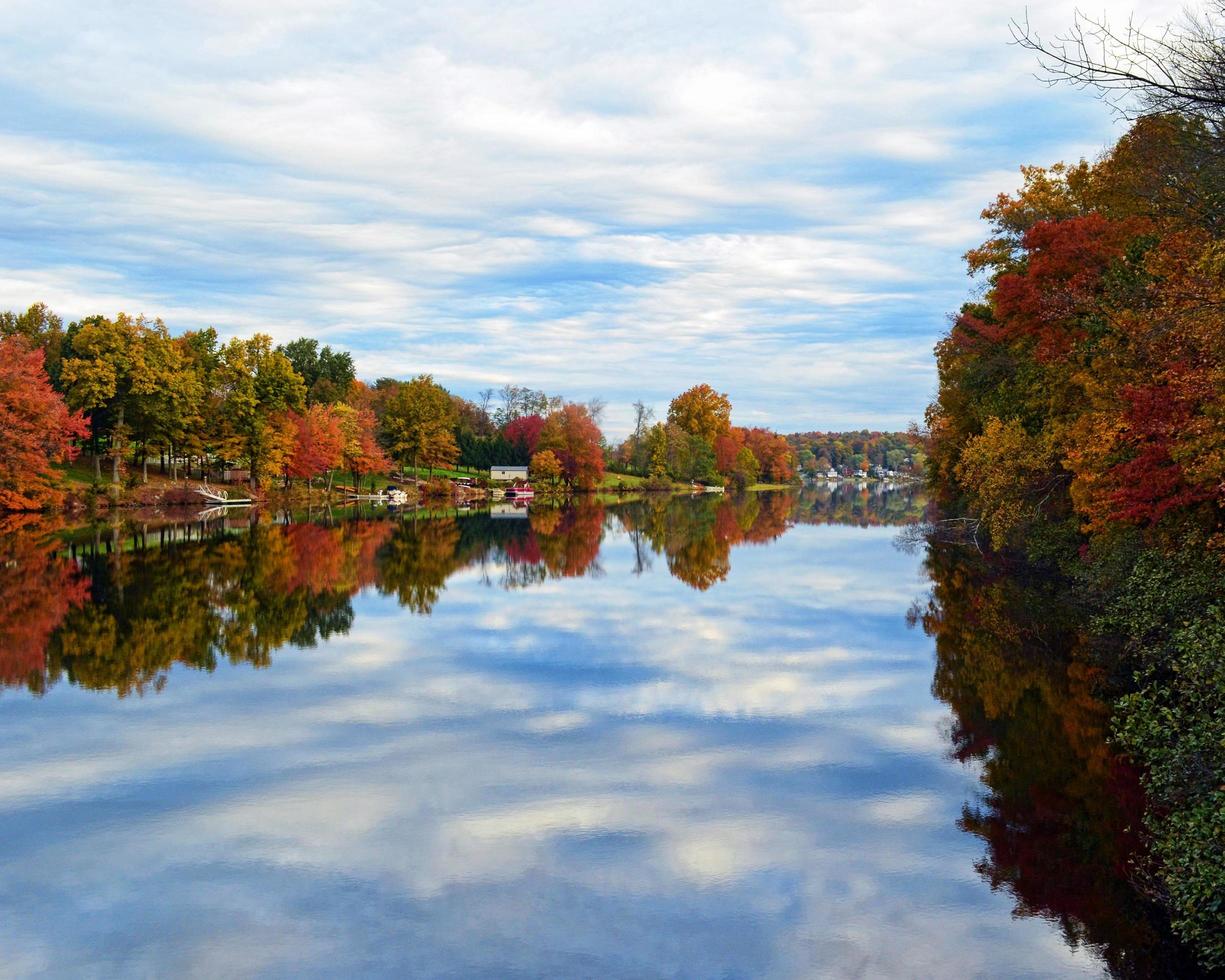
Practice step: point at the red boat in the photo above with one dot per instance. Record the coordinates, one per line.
(520, 491)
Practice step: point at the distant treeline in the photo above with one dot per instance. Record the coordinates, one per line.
(850, 453)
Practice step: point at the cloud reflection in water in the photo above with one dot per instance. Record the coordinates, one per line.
(624, 775)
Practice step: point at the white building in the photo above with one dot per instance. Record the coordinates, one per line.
(507, 473)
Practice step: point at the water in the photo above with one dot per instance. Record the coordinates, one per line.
(692, 738)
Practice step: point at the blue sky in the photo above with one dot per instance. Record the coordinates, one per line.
(614, 199)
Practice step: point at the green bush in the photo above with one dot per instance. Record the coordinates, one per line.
(1171, 612)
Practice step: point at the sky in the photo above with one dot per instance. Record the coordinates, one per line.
(599, 199)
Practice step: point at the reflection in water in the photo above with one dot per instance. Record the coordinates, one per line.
(1060, 812)
(132, 605)
(681, 736)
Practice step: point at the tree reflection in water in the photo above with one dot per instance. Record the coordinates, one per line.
(115, 608)
(1060, 813)
(120, 605)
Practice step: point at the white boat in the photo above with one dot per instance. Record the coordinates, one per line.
(391, 496)
(222, 497)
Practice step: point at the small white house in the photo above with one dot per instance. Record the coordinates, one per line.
(508, 473)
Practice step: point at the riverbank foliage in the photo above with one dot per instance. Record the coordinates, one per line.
(1080, 424)
(699, 444)
(249, 410)
(856, 453)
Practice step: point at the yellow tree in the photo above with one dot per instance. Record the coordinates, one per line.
(111, 368)
(259, 388)
(701, 411)
(418, 423)
(545, 468)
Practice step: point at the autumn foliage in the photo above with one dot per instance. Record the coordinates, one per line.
(36, 429)
(1080, 423)
(1088, 386)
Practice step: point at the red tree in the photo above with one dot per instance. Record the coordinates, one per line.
(576, 440)
(726, 447)
(773, 454)
(36, 429)
(320, 442)
(524, 432)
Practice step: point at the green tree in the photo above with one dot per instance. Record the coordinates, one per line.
(747, 470)
(417, 422)
(326, 373)
(258, 386)
(41, 328)
(109, 369)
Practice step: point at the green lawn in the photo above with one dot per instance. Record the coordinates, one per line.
(81, 470)
(628, 479)
(451, 474)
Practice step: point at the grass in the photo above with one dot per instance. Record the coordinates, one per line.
(612, 480)
(450, 474)
(81, 470)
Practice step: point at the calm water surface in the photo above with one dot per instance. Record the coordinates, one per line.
(687, 738)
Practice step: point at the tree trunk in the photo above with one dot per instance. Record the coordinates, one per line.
(118, 427)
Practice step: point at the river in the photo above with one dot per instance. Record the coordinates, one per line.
(685, 738)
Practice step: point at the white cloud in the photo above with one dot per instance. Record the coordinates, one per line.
(593, 198)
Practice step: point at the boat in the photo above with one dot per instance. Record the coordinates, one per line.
(522, 491)
(392, 495)
(222, 498)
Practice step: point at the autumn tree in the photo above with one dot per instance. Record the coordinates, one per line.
(701, 411)
(362, 455)
(576, 441)
(773, 453)
(164, 416)
(258, 388)
(745, 470)
(657, 452)
(524, 432)
(36, 428)
(108, 367)
(545, 468)
(727, 448)
(319, 443)
(417, 424)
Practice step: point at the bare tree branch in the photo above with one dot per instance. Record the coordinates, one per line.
(1180, 70)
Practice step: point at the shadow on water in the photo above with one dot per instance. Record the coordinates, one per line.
(1059, 810)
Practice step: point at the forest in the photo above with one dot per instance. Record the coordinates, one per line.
(1079, 435)
(854, 453)
(126, 391)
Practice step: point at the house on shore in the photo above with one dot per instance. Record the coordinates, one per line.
(507, 474)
